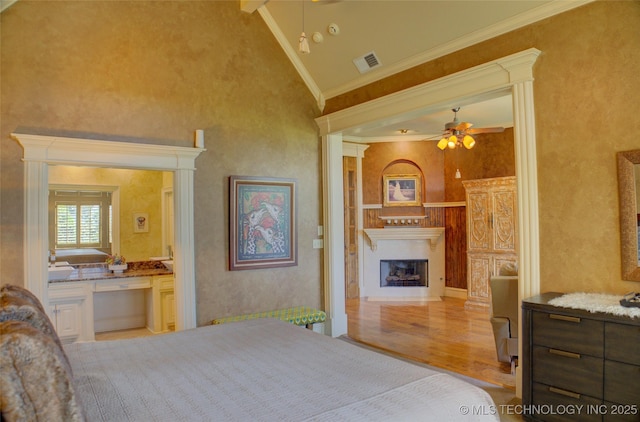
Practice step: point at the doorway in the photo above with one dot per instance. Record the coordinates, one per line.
(40, 151)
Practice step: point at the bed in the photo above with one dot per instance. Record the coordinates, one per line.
(258, 370)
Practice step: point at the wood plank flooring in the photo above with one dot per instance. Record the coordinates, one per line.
(443, 334)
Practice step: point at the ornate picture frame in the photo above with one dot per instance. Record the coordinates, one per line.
(262, 222)
(401, 190)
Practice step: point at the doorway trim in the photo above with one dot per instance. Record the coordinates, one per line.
(42, 150)
(512, 75)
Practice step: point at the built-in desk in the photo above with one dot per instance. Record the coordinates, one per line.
(72, 302)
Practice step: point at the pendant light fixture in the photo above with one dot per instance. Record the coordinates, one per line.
(303, 42)
(458, 175)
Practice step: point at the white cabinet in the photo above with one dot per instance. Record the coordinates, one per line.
(71, 311)
(168, 310)
(161, 304)
(491, 233)
(78, 309)
(67, 319)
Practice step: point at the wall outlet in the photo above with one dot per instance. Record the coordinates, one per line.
(318, 243)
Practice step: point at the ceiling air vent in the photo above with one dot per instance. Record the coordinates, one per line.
(367, 62)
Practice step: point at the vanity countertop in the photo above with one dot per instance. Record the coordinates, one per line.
(87, 272)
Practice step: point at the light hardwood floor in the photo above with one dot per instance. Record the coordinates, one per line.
(440, 333)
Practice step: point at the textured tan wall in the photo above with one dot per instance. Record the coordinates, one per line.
(158, 71)
(140, 192)
(586, 109)
(422, 157)
(492, 156)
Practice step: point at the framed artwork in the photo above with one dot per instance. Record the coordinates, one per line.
(401, 190)
(140, 222)
(262, 223)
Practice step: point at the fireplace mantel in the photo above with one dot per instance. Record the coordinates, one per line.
(432, 234)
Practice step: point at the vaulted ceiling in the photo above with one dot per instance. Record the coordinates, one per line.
(394, 35)
(400, 34)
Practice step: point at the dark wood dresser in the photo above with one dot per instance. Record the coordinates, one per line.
(578, 365)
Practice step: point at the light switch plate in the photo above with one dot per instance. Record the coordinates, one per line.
(318, 243)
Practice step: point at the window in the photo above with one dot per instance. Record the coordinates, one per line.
(80, 219)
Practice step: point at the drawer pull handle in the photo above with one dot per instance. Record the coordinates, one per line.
(565, 354)
(124, 286)
(564, 392)
(564, 318)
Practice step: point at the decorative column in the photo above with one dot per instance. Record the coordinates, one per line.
(36, 224)
(184, 250)
(334, 294)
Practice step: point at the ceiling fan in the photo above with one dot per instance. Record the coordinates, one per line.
(458, 134)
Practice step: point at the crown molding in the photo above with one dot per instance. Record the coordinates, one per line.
(292, 54)
(534, 15)
(486, 79)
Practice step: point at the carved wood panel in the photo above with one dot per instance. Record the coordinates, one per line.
(478, 210)
(504, 220)
(491, 233)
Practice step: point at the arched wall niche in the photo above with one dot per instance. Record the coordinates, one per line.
(403, 166)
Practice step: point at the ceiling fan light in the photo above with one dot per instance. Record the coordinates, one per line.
(452, 142)
(468, 141)
(442, 144)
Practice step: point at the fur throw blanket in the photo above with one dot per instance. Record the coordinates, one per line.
(35, 375)
(18, 304)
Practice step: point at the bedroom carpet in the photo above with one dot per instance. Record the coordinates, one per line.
(504, 398)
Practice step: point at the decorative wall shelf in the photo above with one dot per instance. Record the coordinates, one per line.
(432, 234)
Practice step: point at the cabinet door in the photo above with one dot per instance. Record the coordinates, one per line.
(67, 320)
(480, 266)
(503, 219)
(479, 236)
(168, 310)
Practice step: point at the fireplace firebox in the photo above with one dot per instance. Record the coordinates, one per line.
(404, 273)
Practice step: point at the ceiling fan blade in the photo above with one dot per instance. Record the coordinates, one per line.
(464, 126)
(485, 130)
(434, 137)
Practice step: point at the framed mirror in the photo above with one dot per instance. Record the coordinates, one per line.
(628, 183)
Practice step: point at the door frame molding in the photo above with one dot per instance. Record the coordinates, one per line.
(40, 151)
(510, 75)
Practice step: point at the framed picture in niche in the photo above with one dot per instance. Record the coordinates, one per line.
(401, 190)
(140, 222)
(262, 222)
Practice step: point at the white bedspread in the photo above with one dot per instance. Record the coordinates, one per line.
(261, 370)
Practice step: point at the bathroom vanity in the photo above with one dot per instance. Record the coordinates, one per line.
(94, 299)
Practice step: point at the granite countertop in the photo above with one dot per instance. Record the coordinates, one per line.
(87, 272)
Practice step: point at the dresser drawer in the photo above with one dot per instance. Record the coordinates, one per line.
(551, 401)
(568, 371)
(568, 333)
(622, 343)
(622, 383)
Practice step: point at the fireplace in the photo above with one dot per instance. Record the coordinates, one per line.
(422, 247)
(404, 273)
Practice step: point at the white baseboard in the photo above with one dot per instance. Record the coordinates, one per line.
(403, 299)
(455, 292)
